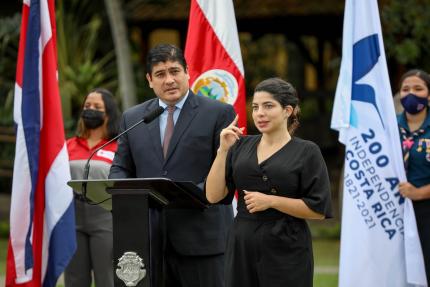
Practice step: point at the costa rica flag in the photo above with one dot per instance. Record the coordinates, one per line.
(214, 58)
(42, 227)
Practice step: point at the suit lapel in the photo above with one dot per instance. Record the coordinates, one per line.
(188, 112)
(154, 131)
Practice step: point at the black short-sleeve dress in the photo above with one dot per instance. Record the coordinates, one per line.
(271, 248)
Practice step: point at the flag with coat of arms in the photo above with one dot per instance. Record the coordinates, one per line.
(213, 55)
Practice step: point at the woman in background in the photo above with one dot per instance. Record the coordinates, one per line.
(281, 181)
(98, 123)
(414, 124)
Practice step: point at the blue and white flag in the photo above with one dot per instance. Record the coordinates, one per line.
(378, 224)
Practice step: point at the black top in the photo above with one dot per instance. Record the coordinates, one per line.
(297, 170)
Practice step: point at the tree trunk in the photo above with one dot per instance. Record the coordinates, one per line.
(127, 85)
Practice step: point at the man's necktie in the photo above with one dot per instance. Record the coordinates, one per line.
(169, 129)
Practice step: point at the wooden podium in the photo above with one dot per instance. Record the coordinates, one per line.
(136, 206)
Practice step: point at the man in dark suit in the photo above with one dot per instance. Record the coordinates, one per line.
(195, 239)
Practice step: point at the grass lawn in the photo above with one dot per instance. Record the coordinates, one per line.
(325, 280)
(3, 253)
(326, 252)
(326, 255)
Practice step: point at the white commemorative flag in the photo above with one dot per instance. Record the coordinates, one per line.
(374, 230)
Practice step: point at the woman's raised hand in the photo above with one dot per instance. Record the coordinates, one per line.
(230, 135)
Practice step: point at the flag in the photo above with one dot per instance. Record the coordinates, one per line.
(374, 230)
(42, 228)
(213, 55)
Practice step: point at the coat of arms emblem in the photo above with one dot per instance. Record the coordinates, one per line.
(131, 268)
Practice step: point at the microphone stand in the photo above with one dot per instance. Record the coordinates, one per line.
(146, 119)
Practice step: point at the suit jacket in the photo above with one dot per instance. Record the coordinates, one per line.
(192, 150)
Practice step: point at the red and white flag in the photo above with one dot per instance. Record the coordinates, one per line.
(42, 223)
(213, 54)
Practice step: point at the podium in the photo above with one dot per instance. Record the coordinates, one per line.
(136, 206)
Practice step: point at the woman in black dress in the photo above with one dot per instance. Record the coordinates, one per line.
(281, 181)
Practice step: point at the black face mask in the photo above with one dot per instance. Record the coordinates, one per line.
(92, 118)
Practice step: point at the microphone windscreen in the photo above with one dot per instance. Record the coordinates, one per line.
(152, 115)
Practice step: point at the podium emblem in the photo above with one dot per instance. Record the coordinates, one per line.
(131, 268)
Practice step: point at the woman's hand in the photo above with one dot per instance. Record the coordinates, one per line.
(230, 135)
(257, 201)
(408, 190)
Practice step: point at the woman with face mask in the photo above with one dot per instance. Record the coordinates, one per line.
(98, 123)
(414, 124)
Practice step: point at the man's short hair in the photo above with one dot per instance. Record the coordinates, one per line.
(164, 53)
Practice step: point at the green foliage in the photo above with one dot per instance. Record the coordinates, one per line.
(322, 230)
(325, 280)
(4, 229)
(259, 58)
(309, 109)
(9, 36)
(406, 31)
(3, 252)
(85, 59)
(326, 252)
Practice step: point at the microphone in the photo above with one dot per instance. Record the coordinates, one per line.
(152, 115)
